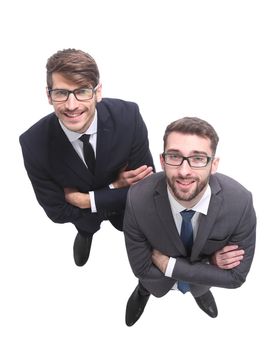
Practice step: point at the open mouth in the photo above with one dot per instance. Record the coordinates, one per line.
(73, 118)
(73, 115)
(185, 184)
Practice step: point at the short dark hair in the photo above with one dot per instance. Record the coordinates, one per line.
(75, 65)
(193, 126)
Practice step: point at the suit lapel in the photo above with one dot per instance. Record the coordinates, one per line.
(163, 209)
(206, 224)
(207, 221)
(63, 154)
(104, 136)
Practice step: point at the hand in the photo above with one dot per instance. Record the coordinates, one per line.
(160, 260)
(76, 198)
(228, 257)
(130, 177)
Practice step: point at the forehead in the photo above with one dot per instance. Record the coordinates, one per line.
(60, 82)
(187, 143)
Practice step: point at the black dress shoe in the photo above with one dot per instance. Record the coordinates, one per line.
(207, 303)
(81, 249)
(135, 306)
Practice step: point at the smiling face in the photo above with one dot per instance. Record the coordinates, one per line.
(188, 184)
(75, 115)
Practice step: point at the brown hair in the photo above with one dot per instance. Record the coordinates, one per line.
(193, 126)
(75, 65)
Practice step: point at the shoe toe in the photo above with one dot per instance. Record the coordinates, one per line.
(207, 303)
(135, 307)
(81, 249)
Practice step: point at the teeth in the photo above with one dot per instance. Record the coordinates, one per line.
(73, 115)
(185, 183)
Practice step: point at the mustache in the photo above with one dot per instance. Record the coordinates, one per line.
(175, 178)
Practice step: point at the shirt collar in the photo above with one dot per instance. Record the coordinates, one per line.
(72, 135)
(201, 207)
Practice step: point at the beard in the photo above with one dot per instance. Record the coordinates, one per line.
(188, 195)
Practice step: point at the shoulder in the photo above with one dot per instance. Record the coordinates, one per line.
(118, 109)
(40, 124)
(39, 130)
(115, 103)
(227, 185)
(148, 186)
(123, 116)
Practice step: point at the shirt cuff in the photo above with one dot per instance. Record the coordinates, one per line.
(170, 267)
(92, 200)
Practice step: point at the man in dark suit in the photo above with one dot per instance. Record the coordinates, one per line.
(82, 158)
(188, 228)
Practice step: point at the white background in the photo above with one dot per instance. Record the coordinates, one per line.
(174, 58)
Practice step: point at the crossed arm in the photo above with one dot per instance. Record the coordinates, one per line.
(226, 258)
(125, 179)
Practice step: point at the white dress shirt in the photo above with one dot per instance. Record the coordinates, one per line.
(78, 146)
(200, 208)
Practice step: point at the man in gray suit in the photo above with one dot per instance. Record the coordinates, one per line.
(188, 227)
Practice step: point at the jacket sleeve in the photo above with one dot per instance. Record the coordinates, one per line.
(206, 274)
(139, 254)
(50, 195)
(140, 153)
(107, 199)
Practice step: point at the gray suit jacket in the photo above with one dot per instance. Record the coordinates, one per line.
(149, 224)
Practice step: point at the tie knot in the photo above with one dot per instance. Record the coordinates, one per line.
(85, 138)
(187, 215)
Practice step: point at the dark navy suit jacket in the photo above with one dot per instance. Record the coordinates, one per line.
(52, 164)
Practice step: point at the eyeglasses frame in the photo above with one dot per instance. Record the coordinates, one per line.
(188, 161)
(73, 92)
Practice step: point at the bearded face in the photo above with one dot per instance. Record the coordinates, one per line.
(187, 184)
(188, 188)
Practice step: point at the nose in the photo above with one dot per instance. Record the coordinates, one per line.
(185, 168)
(72, 102)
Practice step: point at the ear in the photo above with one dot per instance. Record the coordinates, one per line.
(48, 95)
(98, 93)
(162, 163)
(214, 167)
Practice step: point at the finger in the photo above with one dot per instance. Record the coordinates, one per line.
(232, 260)
(133, 176)
(237, 253)
(144, 173)
(227, 262)
(232, 254)
(229, 248)
(230, 266)
(137, 171)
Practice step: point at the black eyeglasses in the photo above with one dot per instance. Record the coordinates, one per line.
(81, 94)
(196, 161)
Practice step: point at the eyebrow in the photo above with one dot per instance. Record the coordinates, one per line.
(192, 152)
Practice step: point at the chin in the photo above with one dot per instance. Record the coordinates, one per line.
(77, 127)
